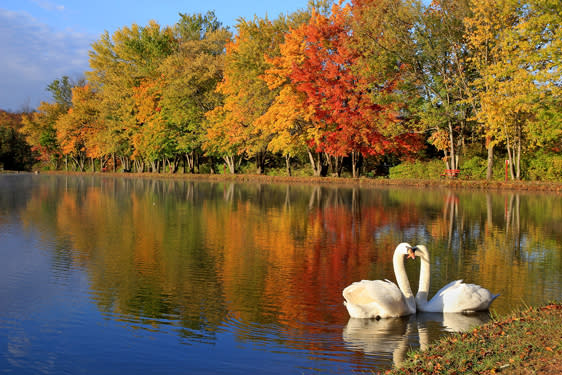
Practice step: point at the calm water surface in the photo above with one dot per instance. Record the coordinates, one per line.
(103, 275)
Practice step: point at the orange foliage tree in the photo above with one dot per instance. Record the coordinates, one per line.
(233, 130)
(80, 131)
(319, 59)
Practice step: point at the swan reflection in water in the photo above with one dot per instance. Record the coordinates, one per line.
(395, 336)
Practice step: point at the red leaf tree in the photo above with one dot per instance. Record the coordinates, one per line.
(350, 123)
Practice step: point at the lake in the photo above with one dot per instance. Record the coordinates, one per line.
(108, 275)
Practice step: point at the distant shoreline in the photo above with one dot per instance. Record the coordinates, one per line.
(529, 186)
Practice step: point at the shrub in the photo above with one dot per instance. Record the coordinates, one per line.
(474, 168)
(544, 167)
(418, 170)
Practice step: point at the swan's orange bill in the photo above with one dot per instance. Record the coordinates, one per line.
(411, 254)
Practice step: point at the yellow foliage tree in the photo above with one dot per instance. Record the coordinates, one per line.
(515, 53)
(80, 131)
(39, 128)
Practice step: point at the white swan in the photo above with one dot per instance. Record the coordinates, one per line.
(382, 298)
(454, 297)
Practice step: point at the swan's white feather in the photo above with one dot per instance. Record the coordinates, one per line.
(455, 297)
(460, 297)
(375, 299)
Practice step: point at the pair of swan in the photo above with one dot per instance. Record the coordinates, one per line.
(384, 299)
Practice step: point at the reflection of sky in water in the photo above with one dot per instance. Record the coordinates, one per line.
(25, 272)
(143, 276)
(49, 326)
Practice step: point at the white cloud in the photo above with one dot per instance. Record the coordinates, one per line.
(33, 55)
(48, 5)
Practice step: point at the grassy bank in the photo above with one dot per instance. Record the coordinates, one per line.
(365, 182)
(527, 342)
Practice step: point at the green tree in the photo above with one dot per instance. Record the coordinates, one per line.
(119, 63)
(423, 50)
(190, 76)
(444, 70)
(61, 90)
(39, 129)
(15, 152)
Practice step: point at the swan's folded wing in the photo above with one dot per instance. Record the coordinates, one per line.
(368, 291)
(452, 285)
(467, 297)
(372, 298)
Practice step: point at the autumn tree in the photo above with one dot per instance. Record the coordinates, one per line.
(483, 27)
(80, 130)
(337, 100)
(61, 90)
(541, 31)
(287, 122)
(189, 79)
(15, 152)
(427, 44)
(39, 127)
(516, 53)
(232, 132)
(119, 63)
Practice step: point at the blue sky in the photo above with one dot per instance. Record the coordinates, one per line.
(41, 40)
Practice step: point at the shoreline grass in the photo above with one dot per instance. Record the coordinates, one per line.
(529, 341)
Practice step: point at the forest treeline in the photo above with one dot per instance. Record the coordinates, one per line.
(355, 88)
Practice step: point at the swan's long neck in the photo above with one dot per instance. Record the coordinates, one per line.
(402, 280)
(423, 288)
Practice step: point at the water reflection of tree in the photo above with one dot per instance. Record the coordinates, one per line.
(495, 241)
(204, 255)
(124, 237)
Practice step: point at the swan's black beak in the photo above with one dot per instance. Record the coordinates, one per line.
(412, 252)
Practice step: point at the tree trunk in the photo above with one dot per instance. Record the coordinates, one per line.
(337, 166)
(319, 167)
(190, 157)
(354, 157)
(212, 165)
(510, 158)
(172, 164)
(490, 166)
(518, 160)
(454, 159)
(313, 163)
(340, 167)
(79, 163)
(288, 164)
(260, 162)
(230, 163)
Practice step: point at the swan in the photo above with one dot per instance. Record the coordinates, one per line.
(382, 298)
(454, 297)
